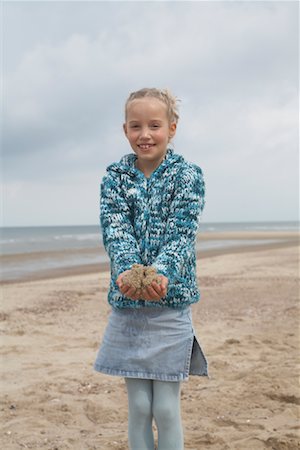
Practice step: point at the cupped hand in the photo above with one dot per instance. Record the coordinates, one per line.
(126, 290)
(153, 292)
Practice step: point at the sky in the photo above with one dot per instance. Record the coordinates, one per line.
(68, 68)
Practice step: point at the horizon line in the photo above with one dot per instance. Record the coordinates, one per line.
(202, 222)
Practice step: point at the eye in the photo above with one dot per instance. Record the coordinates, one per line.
(135, 126)
(155, 125)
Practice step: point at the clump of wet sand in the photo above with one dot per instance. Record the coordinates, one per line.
(140, 276)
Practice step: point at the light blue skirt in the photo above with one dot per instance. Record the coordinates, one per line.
(151, 343)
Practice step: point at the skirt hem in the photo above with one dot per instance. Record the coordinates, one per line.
(147, 376)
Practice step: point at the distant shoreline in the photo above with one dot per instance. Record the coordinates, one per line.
(204, 224)
(279, 239)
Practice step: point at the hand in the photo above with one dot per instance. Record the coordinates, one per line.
(155, 291)
(127, 291)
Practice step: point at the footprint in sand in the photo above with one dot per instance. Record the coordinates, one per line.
(98, 414)
(284, 398)
(207, 440)
(282, 444)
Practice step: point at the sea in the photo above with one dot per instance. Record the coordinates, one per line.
(25, 251)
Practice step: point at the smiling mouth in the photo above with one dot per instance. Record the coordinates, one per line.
(145, 146)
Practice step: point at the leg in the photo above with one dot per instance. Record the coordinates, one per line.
(140, 431)
(166, 411)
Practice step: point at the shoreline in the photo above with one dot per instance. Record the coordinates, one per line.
(280, 239)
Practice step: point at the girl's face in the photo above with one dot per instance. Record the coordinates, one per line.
(148, 130)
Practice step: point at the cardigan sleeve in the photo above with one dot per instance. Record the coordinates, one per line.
(117, 230)
(182, 224)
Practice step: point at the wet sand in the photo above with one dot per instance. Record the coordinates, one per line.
(245, 240)
(247, 322)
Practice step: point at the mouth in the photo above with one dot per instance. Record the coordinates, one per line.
(145, 146)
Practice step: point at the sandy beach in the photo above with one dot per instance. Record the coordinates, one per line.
(247, 322)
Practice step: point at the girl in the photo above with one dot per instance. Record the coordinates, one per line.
(149, 210)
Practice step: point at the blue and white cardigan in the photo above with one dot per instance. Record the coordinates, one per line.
(153, 221)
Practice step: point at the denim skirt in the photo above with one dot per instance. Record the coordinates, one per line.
(151, 343)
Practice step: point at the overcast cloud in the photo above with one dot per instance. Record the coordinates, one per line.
(69, 67)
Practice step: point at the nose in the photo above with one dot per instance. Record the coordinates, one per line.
(145, 133)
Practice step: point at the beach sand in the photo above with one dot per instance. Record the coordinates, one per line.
(247, 322)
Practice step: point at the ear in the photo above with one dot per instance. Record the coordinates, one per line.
(172, 130)
(125, 129)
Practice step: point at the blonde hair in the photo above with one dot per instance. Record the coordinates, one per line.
(163, 95)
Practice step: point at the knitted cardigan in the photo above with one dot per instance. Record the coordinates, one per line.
(153, 221)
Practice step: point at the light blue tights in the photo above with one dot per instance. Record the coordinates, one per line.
(148, 399)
